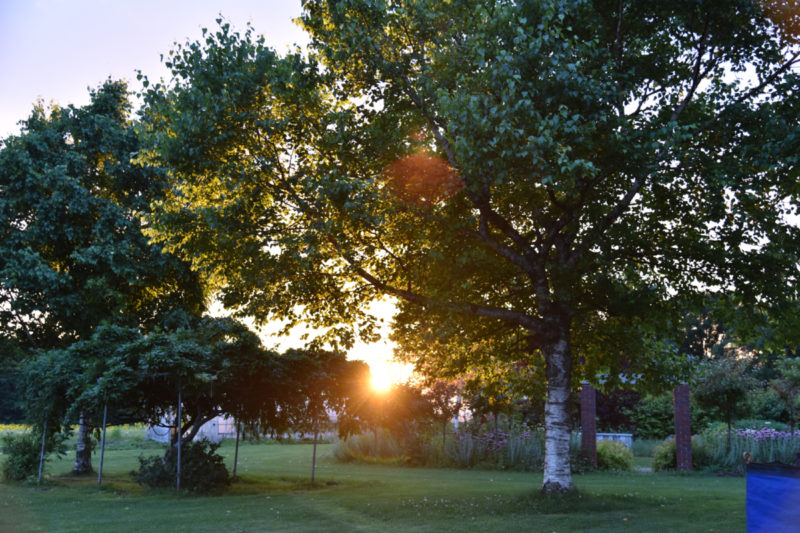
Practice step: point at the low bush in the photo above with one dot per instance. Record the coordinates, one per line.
(23, 456)
(202, 469)
(613, 455)
(23, 451)
(665, 455)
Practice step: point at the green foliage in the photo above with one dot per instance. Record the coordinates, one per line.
(653, 416)
(724, 385)
(787, 387)
(665, 455)
(73, 252)
(23, 456)
(202, 469)
(765, 404)
(765, 442)
(10, 401)
(613, 455)
(23, 452)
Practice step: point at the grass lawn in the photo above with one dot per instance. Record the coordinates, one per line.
(274, 494)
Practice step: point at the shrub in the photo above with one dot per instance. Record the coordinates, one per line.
(665, 455)
(202, 469)
(766, 405)
(654, 417)
(613, 455)
(23, 456)
(24, 449)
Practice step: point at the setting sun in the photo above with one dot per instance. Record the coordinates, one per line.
(381, 379)
(386, 373)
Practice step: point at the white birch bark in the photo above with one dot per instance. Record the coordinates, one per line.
(557, 467)
(83, 449)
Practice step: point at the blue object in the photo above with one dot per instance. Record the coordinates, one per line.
(773, 498)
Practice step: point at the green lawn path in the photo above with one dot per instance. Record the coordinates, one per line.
(274, 494)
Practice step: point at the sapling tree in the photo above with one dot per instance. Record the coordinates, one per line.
(724, 386)
(445, 399)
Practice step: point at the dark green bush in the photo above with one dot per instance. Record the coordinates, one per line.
(765, 405)
(23, 456)
(654, 417)
(202, 469)
(613, 455)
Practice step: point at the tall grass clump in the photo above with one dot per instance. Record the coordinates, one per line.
(369, 448)
(766, 445)
(518, 447)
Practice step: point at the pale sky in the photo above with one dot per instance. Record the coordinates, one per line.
(55, 50)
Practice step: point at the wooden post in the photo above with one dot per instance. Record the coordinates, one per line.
(589, 423)
(683, 427)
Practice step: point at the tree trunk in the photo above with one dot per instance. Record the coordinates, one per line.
(83, 450)
(557, 468)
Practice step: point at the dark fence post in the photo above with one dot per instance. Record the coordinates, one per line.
(683, 427)
(589, 423)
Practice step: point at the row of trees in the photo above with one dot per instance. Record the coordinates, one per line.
(186, 377)
(547, 187)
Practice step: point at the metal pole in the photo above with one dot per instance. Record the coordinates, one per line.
(102, 446)
(178, 425)
(236, 453)
(314, 455)
(41, 455)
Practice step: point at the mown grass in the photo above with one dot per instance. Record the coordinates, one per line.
(275, 494)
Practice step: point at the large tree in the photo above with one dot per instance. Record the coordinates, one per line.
(73, 253)
(535, 181)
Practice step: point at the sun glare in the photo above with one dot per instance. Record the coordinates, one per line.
(381, 379)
